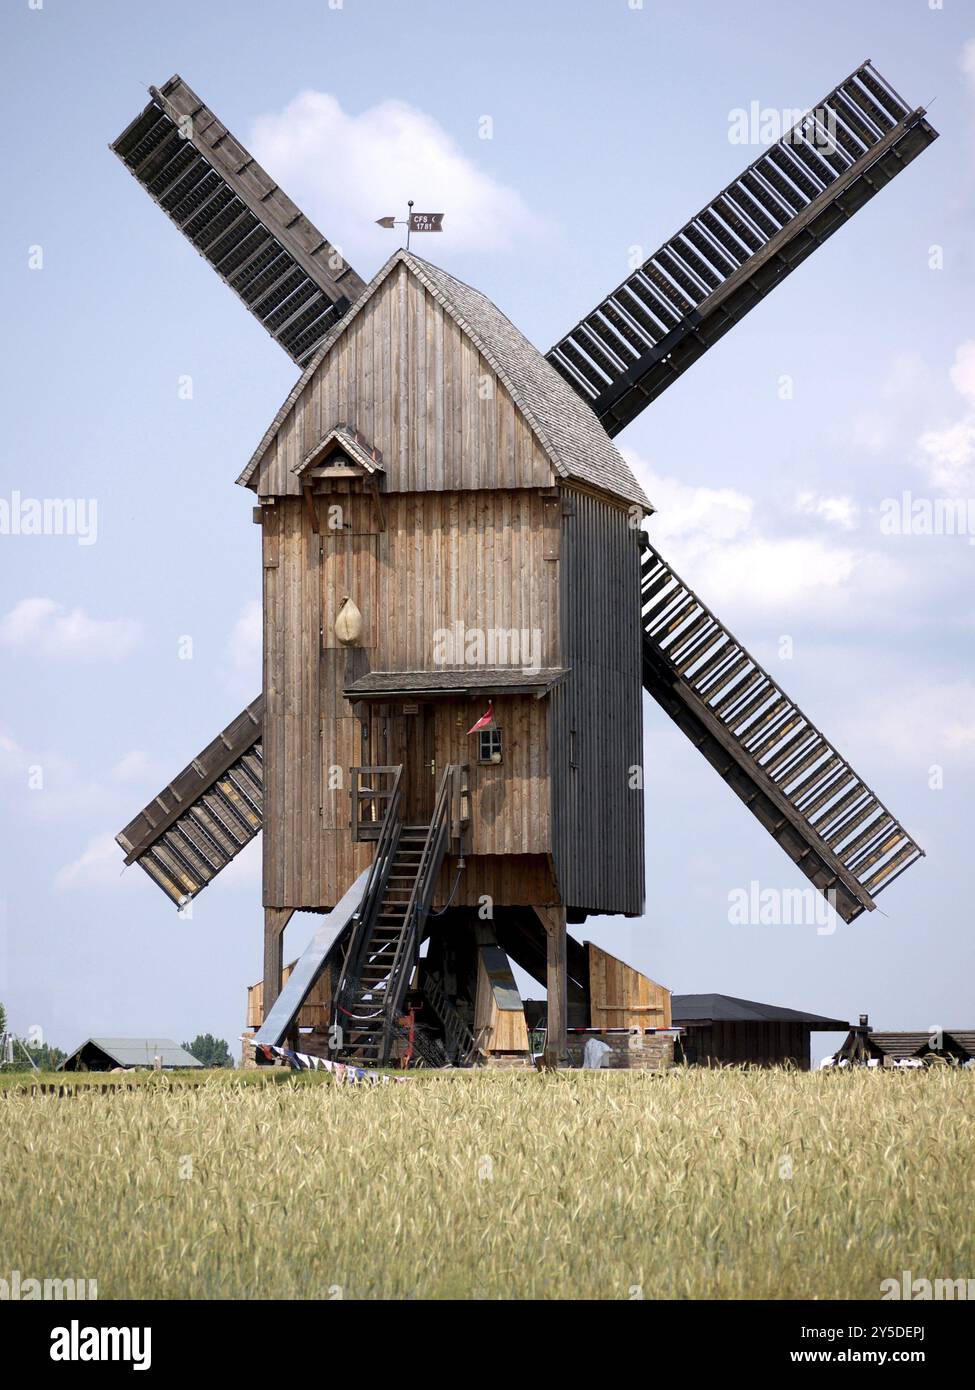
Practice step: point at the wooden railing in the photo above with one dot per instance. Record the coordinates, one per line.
(460, 803)
(449, 792)
(388, 833)
(372, 791)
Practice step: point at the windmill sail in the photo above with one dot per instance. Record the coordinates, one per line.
(205, 817)
(790, 777)
(741, 245)
(292, 280)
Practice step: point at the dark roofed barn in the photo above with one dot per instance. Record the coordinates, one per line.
(720, 1030)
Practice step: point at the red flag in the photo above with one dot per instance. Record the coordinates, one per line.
(485, 720)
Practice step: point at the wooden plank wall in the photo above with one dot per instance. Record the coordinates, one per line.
(477, 558)
(482, 559)
(729, 1043)
(314, 1013)
(620, 997)
(509, 880)
(410, 380)
(597, 713)
(499, 1021)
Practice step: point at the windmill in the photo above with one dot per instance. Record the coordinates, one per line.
(462, 608)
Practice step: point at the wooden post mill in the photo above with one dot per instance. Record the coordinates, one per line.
(463, 607)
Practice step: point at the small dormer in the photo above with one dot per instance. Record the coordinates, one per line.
(342, 458)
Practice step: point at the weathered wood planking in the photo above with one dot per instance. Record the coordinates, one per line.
(474, 559)
(620, 997)
(417, 388)
(499, 1015)
(447, 561)
(518, 880)
(314, 1013)
(468, 535)
(721, 1042)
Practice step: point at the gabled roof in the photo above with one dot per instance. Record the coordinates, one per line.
(138, 1052)
(351, 442)
(579, 448)
(725, 1008)
(917, 1044)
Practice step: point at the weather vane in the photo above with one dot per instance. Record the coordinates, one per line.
(413, 222)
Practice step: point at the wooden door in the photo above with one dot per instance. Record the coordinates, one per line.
(410, 741)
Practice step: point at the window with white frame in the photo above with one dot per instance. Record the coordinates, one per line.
(490, 746)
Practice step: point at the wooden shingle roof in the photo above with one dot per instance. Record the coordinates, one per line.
(576, 443)
(901, 1045)
(574, 439)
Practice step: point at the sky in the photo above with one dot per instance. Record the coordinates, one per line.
(556, 137)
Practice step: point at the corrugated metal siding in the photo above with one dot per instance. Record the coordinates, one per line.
(596, 713)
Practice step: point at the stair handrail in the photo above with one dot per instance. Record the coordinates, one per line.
(431, 857)
(379, 870)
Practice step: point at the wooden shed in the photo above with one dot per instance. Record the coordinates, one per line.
(718, 1029)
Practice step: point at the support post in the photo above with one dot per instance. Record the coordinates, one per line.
(275, 921)
(556, 985)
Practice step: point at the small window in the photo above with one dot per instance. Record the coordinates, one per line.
(490, 749)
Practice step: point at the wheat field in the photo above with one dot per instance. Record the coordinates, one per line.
(691, 1184)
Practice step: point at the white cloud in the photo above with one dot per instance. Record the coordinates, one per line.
(99, 866)
(346, 170)
(686, 510)
(735, 561)
(45, 626)
(947, 455)
(799, 577)
(963, 371)
(906, 388)
(49, 786)
(837, 511)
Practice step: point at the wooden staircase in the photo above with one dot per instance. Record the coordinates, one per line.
(364, 1006)
(388, 928)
